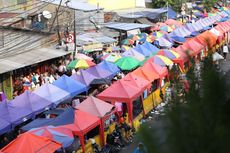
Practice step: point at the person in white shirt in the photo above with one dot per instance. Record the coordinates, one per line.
(225, 51)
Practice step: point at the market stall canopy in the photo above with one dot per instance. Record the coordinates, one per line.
(133, 53)
(207, 38)
(5, 126)
(146, 74)
(127, 63)
(193, 45)
(61, 135)
(83, 123)
(67, 117)
(109, 66)
(84, 77)
(31, 143)
(126, 26)
(143, 50)
(70, 85)
(100, 72)
(161, 71)
(137, 81)
(95, 106)
(120, 91)
(153, 49)
(52, 93)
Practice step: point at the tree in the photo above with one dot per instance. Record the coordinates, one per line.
(175, 4)
(208, 4)
(201, 125)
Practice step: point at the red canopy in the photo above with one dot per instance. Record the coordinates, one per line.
(146, 74)
(30, 143)
(207, 38)
(193, 45)
(137, 81)
(95, 107)
(121, 91)
(161, 71)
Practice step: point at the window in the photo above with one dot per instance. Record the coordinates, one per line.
(21, 1)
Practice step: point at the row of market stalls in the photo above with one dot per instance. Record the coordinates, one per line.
(138, 90)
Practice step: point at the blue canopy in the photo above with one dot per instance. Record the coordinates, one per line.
(52, 93)
(70, 85)
(153, 49)
(20, 109)
(171, 13)
(109, 66)
(84, 77)
(100, 72)
(4, 126)
(65, 118)
(143, 50)
(178, 39)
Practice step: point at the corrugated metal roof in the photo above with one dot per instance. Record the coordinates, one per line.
(83, 6)
(126, 26)
(29, 58)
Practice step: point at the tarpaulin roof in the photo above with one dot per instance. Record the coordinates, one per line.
(52, 93)
(120, 91)
(161, 71)
(164, 42)
(100, 72)
(194, 46)
(20, 109)
(84, 77)
(67, 117)
(109, 66)
(4, 112)
(83, 123)
(171, 13)
(153, 49)
(133, 53)
(181, 31)
(146, 74)
(30, 143)
(70, 85)
(190, 27)
(95, 106)
(5, 126)
(126, 26)
(173, 22)
(136, 81)
(143, 50)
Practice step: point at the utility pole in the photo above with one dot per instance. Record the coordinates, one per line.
(58, 29)
(74, 35)
(55, 16)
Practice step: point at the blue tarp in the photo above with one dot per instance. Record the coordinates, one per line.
(143, 50)
(84, 77)
(70, 85)
(153, 49)
(109, 66)
(171, 13)
(65, 118)
(52, 93)
(178, 39)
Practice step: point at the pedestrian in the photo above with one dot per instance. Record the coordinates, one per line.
(225, 51)
(140, 149)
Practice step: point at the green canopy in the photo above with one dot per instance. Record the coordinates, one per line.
(127, 63)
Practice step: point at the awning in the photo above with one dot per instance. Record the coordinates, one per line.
(126, 26)
(29, 58)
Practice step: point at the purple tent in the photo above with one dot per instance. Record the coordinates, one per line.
(5, 125)
(2, 96)
(20, 109)
(164, 42)
(84, 77)
(182, 32)
(52, 93)
(190, 27)
(100, 72)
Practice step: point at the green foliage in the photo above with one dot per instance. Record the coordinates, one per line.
(175, 4)
(208, 4)
(201, 125)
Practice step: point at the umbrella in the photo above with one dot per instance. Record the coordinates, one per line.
(80, 63)
(83, 56)
(58, 134)
(111, 57)
(142, 35)
(161, 60)
(127, 63)
(169, 54)
(216, 56)
(124, 48)
(133, 53)
(127, 42)
(166, 28)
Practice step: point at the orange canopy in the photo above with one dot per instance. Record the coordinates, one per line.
(30, 143)
(207, 38)
(146, 74)
(95, 107)
(161, 71)
(194, 46)
(137, 81)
